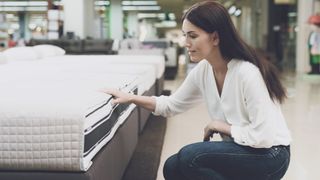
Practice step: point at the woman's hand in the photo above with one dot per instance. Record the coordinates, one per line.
(119, 97)
(216, 126)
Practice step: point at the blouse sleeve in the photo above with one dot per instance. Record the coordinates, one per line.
(186, 96)
(259, 132)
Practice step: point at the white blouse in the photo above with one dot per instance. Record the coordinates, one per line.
(244, 103)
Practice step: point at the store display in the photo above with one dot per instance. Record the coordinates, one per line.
(314, 44)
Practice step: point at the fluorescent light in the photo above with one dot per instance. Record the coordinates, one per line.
(237, 13)
(141, 8)
(58, 3)
(102, 3)
(292, 14)
(156, 15)
(24, 3)
(147, 15)
(13, 9)
(232, 9)
(172, 16)
(166, 24)
(37, 3)
(139, 3)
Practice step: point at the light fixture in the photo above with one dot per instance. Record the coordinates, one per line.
(156, 15)
(232, 9)
(102, 3)
(166, 24)
(141, 8)
(16, 8)
(139, 3)
(237, 12)
(24, 3)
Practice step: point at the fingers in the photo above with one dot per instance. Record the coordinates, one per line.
(112, 92)
(207, 135)
(108, 91)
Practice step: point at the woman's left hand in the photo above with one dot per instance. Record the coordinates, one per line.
(216, 127)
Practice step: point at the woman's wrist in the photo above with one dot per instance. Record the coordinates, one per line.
(132, 98)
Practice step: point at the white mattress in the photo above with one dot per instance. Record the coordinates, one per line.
(148, 72)
(45, 114)
(156, 61)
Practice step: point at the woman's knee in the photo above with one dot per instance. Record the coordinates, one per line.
(170, 167)
(186, 156)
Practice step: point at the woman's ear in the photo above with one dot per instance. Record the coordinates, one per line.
(215, 38)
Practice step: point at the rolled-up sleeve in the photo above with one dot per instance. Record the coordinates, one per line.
(259, 131)
(186, 96)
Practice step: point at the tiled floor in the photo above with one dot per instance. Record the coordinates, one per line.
(301, 109)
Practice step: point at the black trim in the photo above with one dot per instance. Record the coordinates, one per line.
(93, 138)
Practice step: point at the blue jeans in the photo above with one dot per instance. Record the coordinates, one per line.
(227, 160)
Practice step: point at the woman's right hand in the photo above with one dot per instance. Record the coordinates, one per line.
(119, 97)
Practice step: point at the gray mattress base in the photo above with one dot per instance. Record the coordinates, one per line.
(144, 113)
(109, 164)
(160, 85)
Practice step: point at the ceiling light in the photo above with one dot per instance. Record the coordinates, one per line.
(24, 3)
(102, 3)
(17, 8)
(141, 8)
(237, 12)
(232, 9)
(139, 3)
(166, 24)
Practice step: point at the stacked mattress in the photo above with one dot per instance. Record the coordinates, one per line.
(53, 115)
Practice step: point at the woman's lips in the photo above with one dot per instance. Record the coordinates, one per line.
(191, 52)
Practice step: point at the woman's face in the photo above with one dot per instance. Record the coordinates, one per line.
(200, 44)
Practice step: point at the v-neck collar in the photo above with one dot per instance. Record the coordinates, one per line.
(230, 65)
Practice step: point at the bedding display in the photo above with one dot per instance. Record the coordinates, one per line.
(56, 123)
(62, 123)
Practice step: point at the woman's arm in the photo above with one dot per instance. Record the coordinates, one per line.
(123, 98)
(216, 126)
(185, 97)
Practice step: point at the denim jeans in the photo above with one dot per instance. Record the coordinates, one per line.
(227, 161)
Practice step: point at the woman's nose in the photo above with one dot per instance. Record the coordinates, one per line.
(185, 41)
(187, 44)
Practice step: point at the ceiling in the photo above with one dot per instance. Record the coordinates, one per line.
(177, 6)
(167, 6)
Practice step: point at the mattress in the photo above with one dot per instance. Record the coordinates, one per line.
(58, 122)
(147, 72)
(156, 61)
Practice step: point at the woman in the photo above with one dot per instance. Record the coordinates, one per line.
(243, 96)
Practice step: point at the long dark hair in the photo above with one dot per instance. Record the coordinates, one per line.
(211, 17)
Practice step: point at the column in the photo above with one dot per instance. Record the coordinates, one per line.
(116, 20)
(133, 24)
(22, 24)
(302, 58)
(79, 17)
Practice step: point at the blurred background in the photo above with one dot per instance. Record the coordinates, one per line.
(286, 32)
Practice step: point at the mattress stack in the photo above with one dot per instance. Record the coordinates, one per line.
(58, 121)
